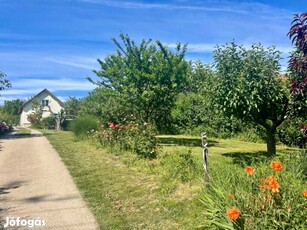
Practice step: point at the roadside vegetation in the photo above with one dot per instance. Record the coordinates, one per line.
(126, 191)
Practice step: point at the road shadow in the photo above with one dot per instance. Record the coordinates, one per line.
(18, 136)
(5, 189)
(247, 158)
(48, 198)
(190, 142)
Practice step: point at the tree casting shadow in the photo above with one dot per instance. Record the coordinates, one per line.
(247, 158)
(191, 142)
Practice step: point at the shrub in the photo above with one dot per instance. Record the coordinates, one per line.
(268, 195)
(292, 132)
(9, 119)
(47, 123)
(139, 139)
(4, 128)
(83, 126)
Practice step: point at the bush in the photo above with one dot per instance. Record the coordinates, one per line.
(11, 120)
(83, 126)
(269, 195)
(47, 123)
(4, 128)
(139, 139)
(292, 133)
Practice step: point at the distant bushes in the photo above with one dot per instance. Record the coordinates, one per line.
(82, 126)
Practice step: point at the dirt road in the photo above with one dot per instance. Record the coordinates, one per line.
(36, 186)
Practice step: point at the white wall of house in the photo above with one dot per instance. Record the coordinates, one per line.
(54, 106)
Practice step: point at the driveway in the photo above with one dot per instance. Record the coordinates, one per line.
(36, 187)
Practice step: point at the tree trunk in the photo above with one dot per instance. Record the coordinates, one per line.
(271, 141)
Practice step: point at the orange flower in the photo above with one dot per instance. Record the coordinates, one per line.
(231, 196)
(233, 213)
(276, 166)
(305, 193)
(249, 170)
(270, 183)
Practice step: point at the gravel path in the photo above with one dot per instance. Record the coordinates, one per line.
(35, 185)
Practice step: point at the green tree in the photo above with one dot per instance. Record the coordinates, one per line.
(12, 107)
(72, 107)
(106, 105)
(148, 76)
(248, 87)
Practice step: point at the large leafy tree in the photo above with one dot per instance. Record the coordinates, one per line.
(147, 75)
(248, 87)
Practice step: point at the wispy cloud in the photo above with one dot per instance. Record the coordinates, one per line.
(139, 5)
(85, 63)
(207, 6)
(58, 84)
(210, 47)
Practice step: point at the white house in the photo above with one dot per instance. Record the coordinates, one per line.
(50, 106)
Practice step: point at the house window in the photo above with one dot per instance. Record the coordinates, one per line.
(45, 102)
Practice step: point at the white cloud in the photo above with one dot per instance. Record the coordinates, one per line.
(59, 84)
(138, 5)
(85, 63)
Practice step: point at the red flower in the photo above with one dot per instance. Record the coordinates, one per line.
(233, 213)
(116, 126)
(249, 170)
(305, 193)
(276, 166)
(270, 183)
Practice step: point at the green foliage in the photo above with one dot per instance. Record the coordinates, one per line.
(248, 87)
(138, 138)
(260, 206)
(83, 126)
(147, 76)
(72, 107)
(178, 167)
(47, 123)
(12, 107)
(106, 105)
(291, 132)
(9, 119)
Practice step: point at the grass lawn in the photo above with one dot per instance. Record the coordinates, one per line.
(125, 192)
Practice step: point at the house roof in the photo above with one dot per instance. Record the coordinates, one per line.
(41, 92)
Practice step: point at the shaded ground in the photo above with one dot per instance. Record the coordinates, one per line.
(34, 183)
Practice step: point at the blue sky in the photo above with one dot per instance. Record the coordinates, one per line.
(54, 44)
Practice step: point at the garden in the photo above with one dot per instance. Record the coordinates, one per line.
(134, 149)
